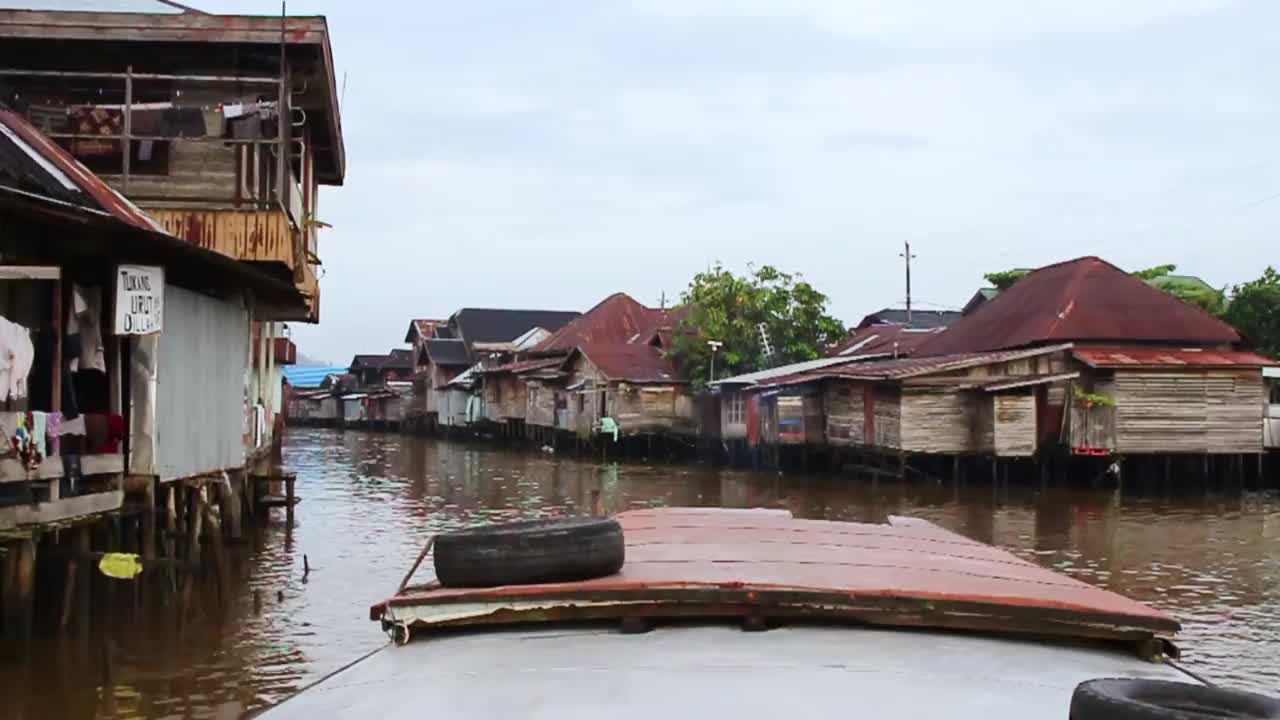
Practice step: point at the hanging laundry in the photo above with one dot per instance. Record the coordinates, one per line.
(95, 120)
(16, 355)
(40, 433)
(214, 126)
(68, 427)
(147, 123)
(145, 150)
(87, 304)
(53, 429)
(183, 122)
(231, 111)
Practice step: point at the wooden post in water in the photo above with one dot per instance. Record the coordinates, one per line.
(19, 596)
(289, 497)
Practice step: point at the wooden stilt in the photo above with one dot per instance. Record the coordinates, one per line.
(19, 596)
(289, 496)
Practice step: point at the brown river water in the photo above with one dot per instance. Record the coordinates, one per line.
(371, 500)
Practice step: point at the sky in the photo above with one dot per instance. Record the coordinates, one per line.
(544, 155)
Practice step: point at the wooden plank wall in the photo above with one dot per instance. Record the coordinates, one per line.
(1189, 411)
(888, 418)
(983, 436)
(651, 408)
(540, 404)
(937, 421)
(1015, 425)
(196, 169)
(846, 424)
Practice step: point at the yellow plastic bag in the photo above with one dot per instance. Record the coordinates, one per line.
(121, 566)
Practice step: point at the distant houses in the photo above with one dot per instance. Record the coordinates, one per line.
(1076, 362)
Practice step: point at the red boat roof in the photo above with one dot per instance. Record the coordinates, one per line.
(765, 563)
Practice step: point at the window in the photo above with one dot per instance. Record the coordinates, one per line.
(736, 412)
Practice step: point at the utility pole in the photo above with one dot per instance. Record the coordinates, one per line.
(906, 255)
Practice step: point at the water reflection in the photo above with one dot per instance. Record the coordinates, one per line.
(371, 500)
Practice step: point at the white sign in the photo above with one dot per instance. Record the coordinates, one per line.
(139, 300)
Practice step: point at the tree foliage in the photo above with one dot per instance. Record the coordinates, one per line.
(1005, 279)
(1255, 311)
(729, 309)
(1154, 272)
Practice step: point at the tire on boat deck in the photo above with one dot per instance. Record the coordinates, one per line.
(1123, 699)
(530, 552)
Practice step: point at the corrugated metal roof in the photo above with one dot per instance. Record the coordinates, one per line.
(489, 325)
(1156, 357)
(524, 366)
(631, 363)
(903, 368)
(618, 318)
(306, 376)
(1087, 299)
(884, 339)
(919, 318)
(763, 377)
(423, 328)
(61, 169)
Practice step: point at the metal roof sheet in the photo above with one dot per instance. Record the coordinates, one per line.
(1087, 299)
(618, 318)
(491, 325)
(902, 368)
(884, 338)
(98, 6)
(1158, 357)
(919, 318)
(908, 572)
(631, 363)
(447, 353)
(307, 376)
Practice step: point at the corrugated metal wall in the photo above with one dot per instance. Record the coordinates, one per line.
(203, 357)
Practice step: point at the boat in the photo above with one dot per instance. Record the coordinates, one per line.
(698, 612)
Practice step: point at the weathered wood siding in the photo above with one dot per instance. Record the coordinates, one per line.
(651, 408)
(888, 418)
(1014, 430)
(938, 421)
(1208, 411)
(540, 404)
(846, 423)
(507, 397)
(205, 170)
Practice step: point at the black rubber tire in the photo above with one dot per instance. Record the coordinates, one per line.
(530, 552)
(1125, 699)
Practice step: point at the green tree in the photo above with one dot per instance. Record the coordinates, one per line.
(729, 309)
(1155, 272)
(1255, 311)
(1005, 279)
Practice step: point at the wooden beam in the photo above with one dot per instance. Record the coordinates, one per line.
(62, 510)
(29, 272)
(51, 468)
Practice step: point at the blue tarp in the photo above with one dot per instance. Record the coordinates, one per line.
(309, 376)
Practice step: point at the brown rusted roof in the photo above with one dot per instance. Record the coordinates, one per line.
(902, 368)
(1116, 357)
(425, 329)
(875, 339)
(618, 319)
(636, 363)
(1087, 299)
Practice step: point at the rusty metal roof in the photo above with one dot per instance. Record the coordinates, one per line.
(1154, 357)
(903, 368)
(618, 318)
(884, 339)
(423, 328)
(634, 363)
(1087, 299)
(749, 562)
(524, 366)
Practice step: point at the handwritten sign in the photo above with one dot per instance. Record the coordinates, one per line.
(139, 300)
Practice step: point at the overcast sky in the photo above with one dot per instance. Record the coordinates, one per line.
(545, 154)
